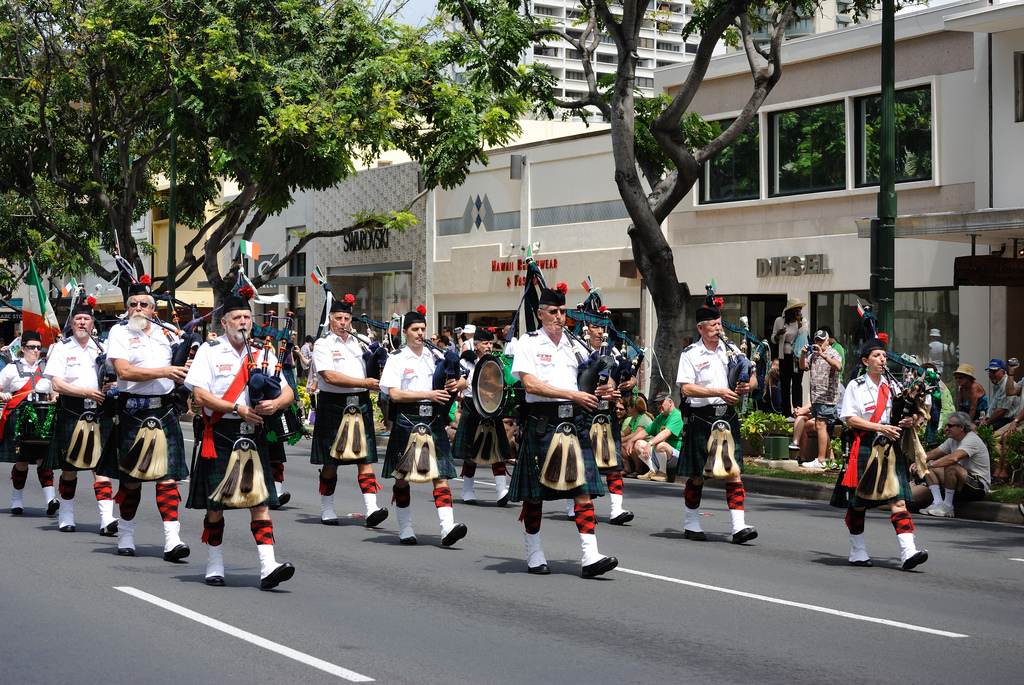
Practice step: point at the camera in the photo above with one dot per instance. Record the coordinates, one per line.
(1012, 362)
(809, 349)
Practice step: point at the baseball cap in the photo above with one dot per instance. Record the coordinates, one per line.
(821, 335)
(996, 364)
(661, 396)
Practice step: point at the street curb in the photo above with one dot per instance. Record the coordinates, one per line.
(992, 512)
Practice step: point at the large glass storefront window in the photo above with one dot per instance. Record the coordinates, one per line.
(913, 136)
(808, 149)
(735, 173)
(378, 295)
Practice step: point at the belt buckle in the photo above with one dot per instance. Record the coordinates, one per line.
(426, 410)
(32, 398)
(131, 404)
(89, 404)
(246, 428)
(564, 411)
(602, 405)
(353, 401)
(155, 402)
(720, 410)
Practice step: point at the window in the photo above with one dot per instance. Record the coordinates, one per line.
(545, 51)
(670, 47)
(642, 82)
(665, 63)
(735, 173)
(378, 294)
(691, 48)
(808, 149)
(645, 42)
(1018, 86)
(607, 59)
(571, 75)
(573, 54)
(297, 266)
(546, 11)
(575, 94)
(913, 136)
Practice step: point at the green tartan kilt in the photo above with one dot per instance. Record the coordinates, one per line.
(399, 441)
(66, 421)
(289, 375)
(466, 433)
(329, 411)
(694, 452)
(616, 429)
(209, 473)
(11, 452)
(844, 497)
(128, 427)
(533, 449)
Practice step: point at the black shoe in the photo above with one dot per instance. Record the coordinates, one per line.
(280, 574)
(862, 563)
(503, 501)
(470, 502)
(178, 553)
(17, 511)
(697, 535)
(52, 506)
(454, 535)
(125, 552)
(600, 566)
(408, 541)
(542, 570)
(217, 581)
(376, 518)
(745, 535)
(67, 529)
(623, 518)
(284, 498)
(329, 522)
(916, 560)
(109, 530)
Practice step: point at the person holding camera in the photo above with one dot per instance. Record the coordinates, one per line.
(825, 366)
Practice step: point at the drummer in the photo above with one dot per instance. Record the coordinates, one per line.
(469, 434)
(420, 417)
(338, 362)
(23, 385)
(73, 371)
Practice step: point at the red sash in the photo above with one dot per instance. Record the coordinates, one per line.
(233, 391)
(850, 478)
(16, 400)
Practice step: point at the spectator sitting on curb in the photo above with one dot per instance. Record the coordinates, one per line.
(970, 397)
(960, 466)
(1005, 403)
(663, 437)
(634, 419)
(826, 365)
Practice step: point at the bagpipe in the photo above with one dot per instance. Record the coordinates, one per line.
(375, 355)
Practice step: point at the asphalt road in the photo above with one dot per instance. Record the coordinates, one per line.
(784, 608)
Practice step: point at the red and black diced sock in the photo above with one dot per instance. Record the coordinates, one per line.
(45, 476)
(531, 516)
(855, 521)
(167, 498)
(468, 469)
(213, 533)
(499, 469)
(19, 478)
(692, 493)
(585, 519)
(902, 523)
(128, 502)
(615, 483)
(442, 497)
(401, 497)
(368, 483)
(734, 495)
(67, 488)
(263, 531)
(327, 485)
(277, 471)
(104, 490)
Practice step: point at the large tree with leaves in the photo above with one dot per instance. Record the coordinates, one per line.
(659, 146)
(274, 96)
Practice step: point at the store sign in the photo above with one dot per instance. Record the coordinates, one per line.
(520, 265)
(987, 270)
(808, 265)
(376, 239)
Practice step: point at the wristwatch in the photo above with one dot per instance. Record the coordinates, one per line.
(236, 408)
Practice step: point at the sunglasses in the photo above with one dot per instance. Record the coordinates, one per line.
(553, 311)
(952, 425)
(140, 305)
(33, 348)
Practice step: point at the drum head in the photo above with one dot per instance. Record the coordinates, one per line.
(489, 386)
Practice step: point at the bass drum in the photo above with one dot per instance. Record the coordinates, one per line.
(489, 386)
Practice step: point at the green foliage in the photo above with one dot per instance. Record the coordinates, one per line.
(756, 425)
(913, 135)
(1014, 443)
(987, 435)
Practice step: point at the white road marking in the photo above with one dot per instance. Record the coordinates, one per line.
(1015, 559)
(248, 637)
(487, 483)
(798, 605)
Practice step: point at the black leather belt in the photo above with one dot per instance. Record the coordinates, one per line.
(558, 410)
(714, 411)
(344, 398)
(78, 404)
(133, 403)
(422, 409)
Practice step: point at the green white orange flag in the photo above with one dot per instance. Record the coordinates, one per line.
(37, 313)
(250, 250)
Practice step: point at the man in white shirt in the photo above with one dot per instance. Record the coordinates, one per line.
(418, 447)
(344, 431)
(140, 351)
(234, 444)
(960, 466)
(72, 370)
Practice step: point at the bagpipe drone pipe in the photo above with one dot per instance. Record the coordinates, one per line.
(375, 355)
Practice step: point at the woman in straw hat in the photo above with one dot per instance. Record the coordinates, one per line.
(786, 330)
(970, 396)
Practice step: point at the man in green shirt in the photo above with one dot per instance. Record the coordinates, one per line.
(661, 439)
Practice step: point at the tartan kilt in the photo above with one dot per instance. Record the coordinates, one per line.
(844, 497)
(399, 440)
(694, 452)
(11, 452)
(533, 448)
(616, 428)
(466, 433)
(66, 421)
(289, 375)
(128, 427)
(209, 473)
(328, 420)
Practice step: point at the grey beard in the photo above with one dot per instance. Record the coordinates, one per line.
(81, 335)
(137, 324)
(238, 336)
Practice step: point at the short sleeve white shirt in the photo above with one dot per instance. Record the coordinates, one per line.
(861, 398)
(215, 367)
(331, 353)
(554, 364)
(705, 368)
(150, 350)
(409, 371)
(16, 374)
(74, 364)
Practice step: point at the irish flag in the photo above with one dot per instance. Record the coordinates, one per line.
(250, 250)
(36, 312)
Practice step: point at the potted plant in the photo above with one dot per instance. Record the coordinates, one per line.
(756, 425)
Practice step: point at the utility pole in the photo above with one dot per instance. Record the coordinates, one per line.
(883, 230)
(172, 205)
